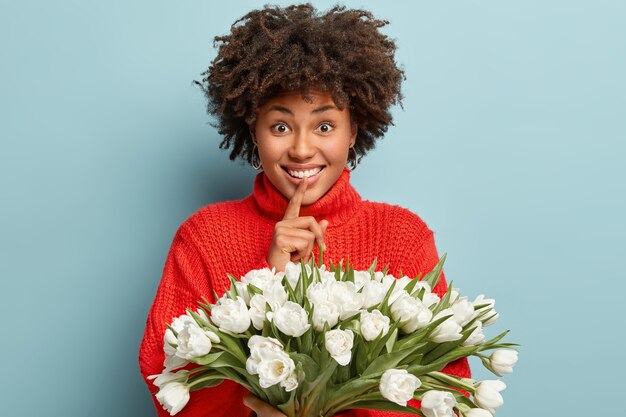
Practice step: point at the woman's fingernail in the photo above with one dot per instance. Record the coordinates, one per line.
(324, 246)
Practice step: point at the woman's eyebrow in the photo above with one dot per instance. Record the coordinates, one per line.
(280, 109)
(285, 110)
(324, 108)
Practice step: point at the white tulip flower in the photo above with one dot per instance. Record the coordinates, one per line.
(327, 276)
(373, 325)
(275, 294)
(293, 272)
(173, 392)
(325, 312)
(477, 335)
(231, 315)
(448, 330)
(412, 312)
(344, 294)
(173, 397)
(290, 383)
(503, 360)
(274, 367)
(398, 386)
(258, 345)
(491, 316)
(463, 311)
(361, 278)
(291, 319)
(193, 341)
(398, 289)
(403, 281)
(488, 395)
(378, 276)
(478, 412)
(260, 278)
(339, 344)
(373, 293)
(319, 292)
(172, 361)
(269, 360)
(438, 404)
(166, 377)
(422, 285)
(258, 306)
(242, 291)
(259, 342)
(203, 316)
(430, 299)
(454, 295)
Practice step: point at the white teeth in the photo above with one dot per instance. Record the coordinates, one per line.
(302, 174)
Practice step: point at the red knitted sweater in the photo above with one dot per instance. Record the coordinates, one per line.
(234, 236)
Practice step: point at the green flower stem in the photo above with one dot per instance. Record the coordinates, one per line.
(235, 377)
(374, 395)
(427, 386)
(206, 378)
(438, 364)
(455, 382)
(237, 352)
(200, 369)
(338, 402)
(463, 408)
(319, 384)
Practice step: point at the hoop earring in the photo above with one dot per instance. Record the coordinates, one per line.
(353, 162)
(255, 160)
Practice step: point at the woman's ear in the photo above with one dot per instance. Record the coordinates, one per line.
(354, 132)
(251, 130)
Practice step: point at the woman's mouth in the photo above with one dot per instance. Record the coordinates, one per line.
(301, 174)
(296, 175)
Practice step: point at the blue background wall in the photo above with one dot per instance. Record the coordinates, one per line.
(510, 146)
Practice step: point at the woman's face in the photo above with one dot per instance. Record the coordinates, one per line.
(296, 138)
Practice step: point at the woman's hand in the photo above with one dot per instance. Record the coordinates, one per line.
(262, 409)
(295, 236)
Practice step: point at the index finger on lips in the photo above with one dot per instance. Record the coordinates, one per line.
(293, 209)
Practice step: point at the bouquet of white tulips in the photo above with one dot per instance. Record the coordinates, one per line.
(314, 341)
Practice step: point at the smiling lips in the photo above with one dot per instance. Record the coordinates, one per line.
(302, 173)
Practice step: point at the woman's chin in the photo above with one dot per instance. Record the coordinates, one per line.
(309, 199)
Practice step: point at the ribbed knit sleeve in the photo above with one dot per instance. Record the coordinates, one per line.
(184, 281)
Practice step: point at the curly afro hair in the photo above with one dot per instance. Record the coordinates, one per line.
(296, 48)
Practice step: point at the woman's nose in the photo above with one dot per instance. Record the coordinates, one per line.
(303, 147)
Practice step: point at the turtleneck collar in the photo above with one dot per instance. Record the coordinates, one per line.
(336, 206)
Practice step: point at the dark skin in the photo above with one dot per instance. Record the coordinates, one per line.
(261, 408)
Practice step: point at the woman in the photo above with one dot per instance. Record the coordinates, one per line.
(298, 95)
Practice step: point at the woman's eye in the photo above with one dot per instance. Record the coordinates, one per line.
(326, 127)
(280, 128)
